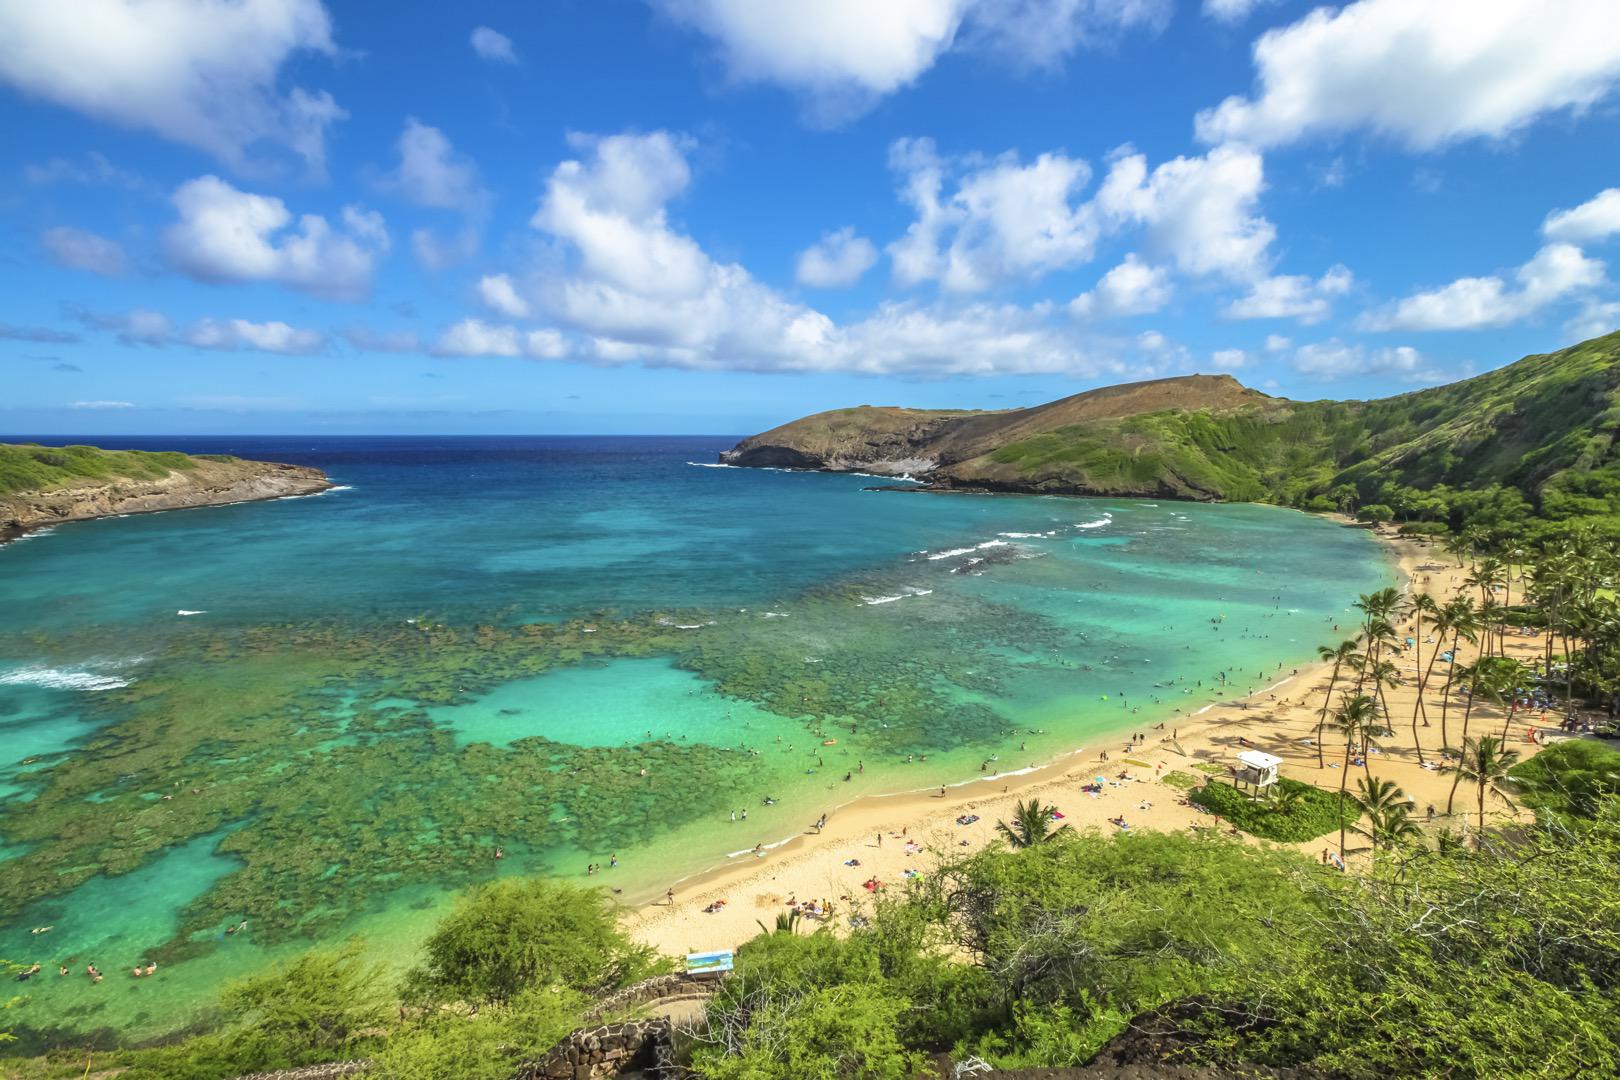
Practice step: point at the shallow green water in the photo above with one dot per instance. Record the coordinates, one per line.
(566, 652)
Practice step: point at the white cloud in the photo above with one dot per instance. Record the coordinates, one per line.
(493, 45)
(844, 55)
(145, 327)
(1041, 33)
(499, 294)
(1425, 74)
(226, 235)
(835, 261)
(1200, 212)
(271, 337)
(138, 327)
(545, 345)
(474, 337)
(1004, 221)
(639, 290)
(1334, 359)
(102, 405)
(1555, 272)
(432, 173)
(199, 72)
(1278, 343)
(1232, 11)
(1596, 219)
(80, 250)
(1292, 296)
(1594, 320)
(1229, 359)
(1131, 288)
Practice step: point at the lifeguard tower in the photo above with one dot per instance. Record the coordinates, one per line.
(1256, 772)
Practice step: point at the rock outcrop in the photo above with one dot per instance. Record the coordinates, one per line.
(208, 482)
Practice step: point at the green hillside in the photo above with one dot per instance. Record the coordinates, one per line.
(1525, 447)
(30, 467)
(1534, 438)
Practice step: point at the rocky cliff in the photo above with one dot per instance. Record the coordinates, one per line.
(202, 482)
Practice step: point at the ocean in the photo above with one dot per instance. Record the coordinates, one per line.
(324, 715)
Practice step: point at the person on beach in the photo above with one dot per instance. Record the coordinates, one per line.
(669, 897)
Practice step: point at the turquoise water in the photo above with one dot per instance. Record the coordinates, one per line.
(564, 649)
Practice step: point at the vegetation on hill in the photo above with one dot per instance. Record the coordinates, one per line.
(505, 976)
(1293, 812)
(30, 467)
(1526, 448)
(1569, 781)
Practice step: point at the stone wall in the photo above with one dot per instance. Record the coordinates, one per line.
(330, 1071)
(603, 1051)
(678, 987)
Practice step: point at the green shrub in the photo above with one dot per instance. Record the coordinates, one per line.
(1570, 779)
(326, 1005)
(1314, 812)
(453, 1045)
(839, 1032)
(513, 934)
(29, 467)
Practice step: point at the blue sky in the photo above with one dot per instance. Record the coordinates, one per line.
(265, 216)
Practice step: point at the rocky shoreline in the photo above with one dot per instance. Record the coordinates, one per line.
(208, 483)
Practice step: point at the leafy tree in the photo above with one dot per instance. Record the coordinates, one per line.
(839, 1032)
(319, 1003)
(447, 1044)
(513, 934)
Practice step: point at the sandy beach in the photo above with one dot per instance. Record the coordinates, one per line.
(884, 837)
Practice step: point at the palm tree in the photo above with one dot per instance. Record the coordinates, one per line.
(1486, 576)
(1478, 677)
(1345, 652)
(1464, 624)
(1485, 764)
(1384, 673)
(1286, 800)
(1457, 545)
(1352, 718)
(1422, 605)
(1031, 824)
(1512, 675)
(787, 922)
(1388, 812)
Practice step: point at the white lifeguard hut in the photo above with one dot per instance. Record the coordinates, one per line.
(1256, 771)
